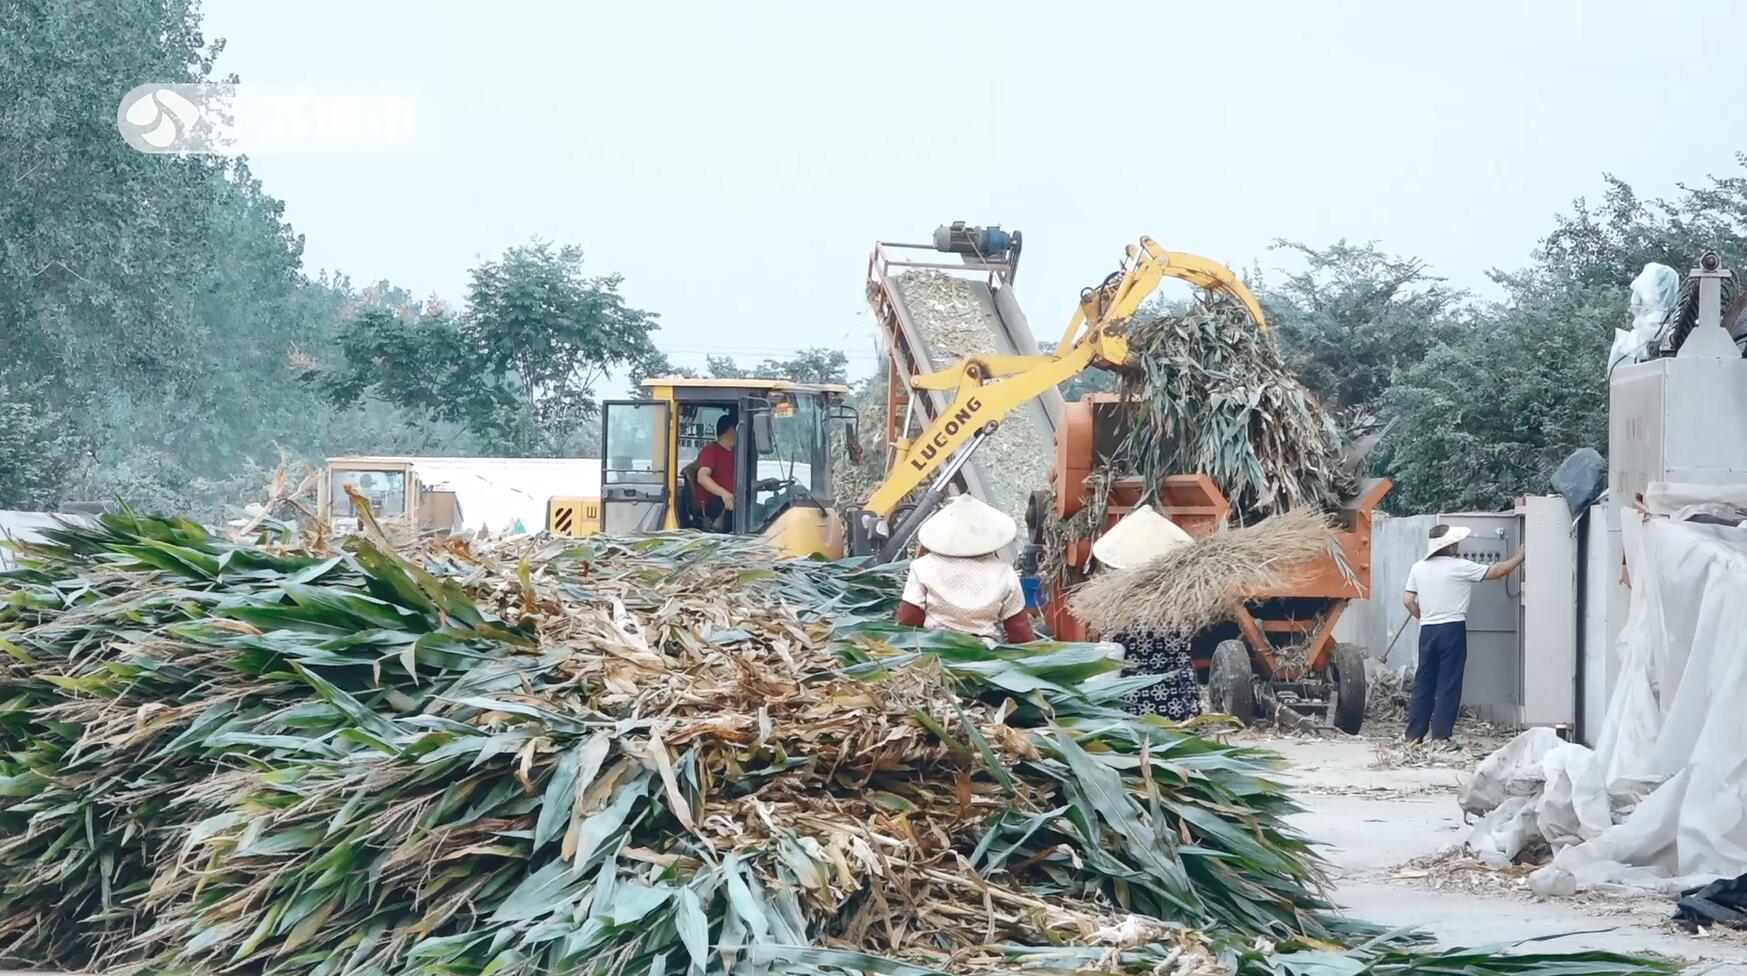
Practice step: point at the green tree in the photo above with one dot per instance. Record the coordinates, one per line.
(37, 451)
(814, 364)
(1489, 414)
(1354, 316)
(517, 368)
(426, 365)
(724, 368)
(535, 320)
(156, 307)
(154, 302)
(1495, 406)
(655, 364)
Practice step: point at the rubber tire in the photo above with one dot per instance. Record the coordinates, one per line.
(1231, 681)
(1347, 673)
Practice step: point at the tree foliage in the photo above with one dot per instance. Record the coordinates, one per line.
(815, 364)
(1487, 416)
(656, 363)
(517, 367)
(422, 363)
(811, 365)
(535, 321)
(724, 368)
(38, 451)
(155, 310)
(1354, 316)
(1496, 405)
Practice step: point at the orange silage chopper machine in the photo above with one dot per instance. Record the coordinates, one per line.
(1281, 649)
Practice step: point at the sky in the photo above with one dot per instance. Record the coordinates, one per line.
(736, 162)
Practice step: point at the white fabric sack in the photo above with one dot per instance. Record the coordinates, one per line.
(1574, 807)
(1681, 502)
(1502, 834)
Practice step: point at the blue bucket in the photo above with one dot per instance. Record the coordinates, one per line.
(1035, 597)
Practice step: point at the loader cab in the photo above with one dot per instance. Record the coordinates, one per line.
(393, 490)
(783, 489)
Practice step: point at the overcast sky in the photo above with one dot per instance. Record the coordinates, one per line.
(736, 162)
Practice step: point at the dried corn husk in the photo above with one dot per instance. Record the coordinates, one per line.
(1208, 392)
(662, 753)
(1206, 582)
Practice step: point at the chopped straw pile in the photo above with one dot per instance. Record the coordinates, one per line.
(661, 754)
(1205, 582)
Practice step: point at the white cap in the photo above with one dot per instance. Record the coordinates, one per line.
(1452, 535)
(966, 526)
(1142, 536)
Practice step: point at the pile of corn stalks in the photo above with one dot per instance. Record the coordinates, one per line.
(1207, 391)
(650, 755)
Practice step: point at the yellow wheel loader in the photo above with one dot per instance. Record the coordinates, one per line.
(783, 489)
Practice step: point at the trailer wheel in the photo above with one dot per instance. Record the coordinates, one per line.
(1348, 676)
(1231, 681)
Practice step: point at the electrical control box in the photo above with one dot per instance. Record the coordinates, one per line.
(1492, 683)
(1522, 642)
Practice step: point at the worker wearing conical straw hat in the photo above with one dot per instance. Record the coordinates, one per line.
(1141, 537)
(1436, 594)
(960, 582)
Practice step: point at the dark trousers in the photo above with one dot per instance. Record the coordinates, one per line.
(1437, 683)
(713, 512)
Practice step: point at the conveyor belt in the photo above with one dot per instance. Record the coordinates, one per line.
(1010, 334)
(911, 357)
(1016, 339)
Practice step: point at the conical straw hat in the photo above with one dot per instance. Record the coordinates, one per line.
(966, 527)
(1142, 536)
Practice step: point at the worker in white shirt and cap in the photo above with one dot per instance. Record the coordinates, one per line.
(1142, 536)
(1438, 588)
(959, 580)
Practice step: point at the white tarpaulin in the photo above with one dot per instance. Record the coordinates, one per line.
(1654, 294)
(1659, 803)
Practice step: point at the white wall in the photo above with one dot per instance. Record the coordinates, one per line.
(496, 493)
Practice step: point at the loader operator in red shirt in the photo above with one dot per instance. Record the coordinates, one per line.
(714, 492)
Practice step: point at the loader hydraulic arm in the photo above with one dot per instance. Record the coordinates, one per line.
(990, 387)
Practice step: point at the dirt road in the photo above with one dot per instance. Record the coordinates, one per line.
(1380, 827)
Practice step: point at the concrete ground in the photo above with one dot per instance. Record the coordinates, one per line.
(1384, 829)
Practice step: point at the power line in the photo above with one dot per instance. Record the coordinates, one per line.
(769, 352)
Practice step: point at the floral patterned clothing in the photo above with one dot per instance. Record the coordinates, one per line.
(1176, 697)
